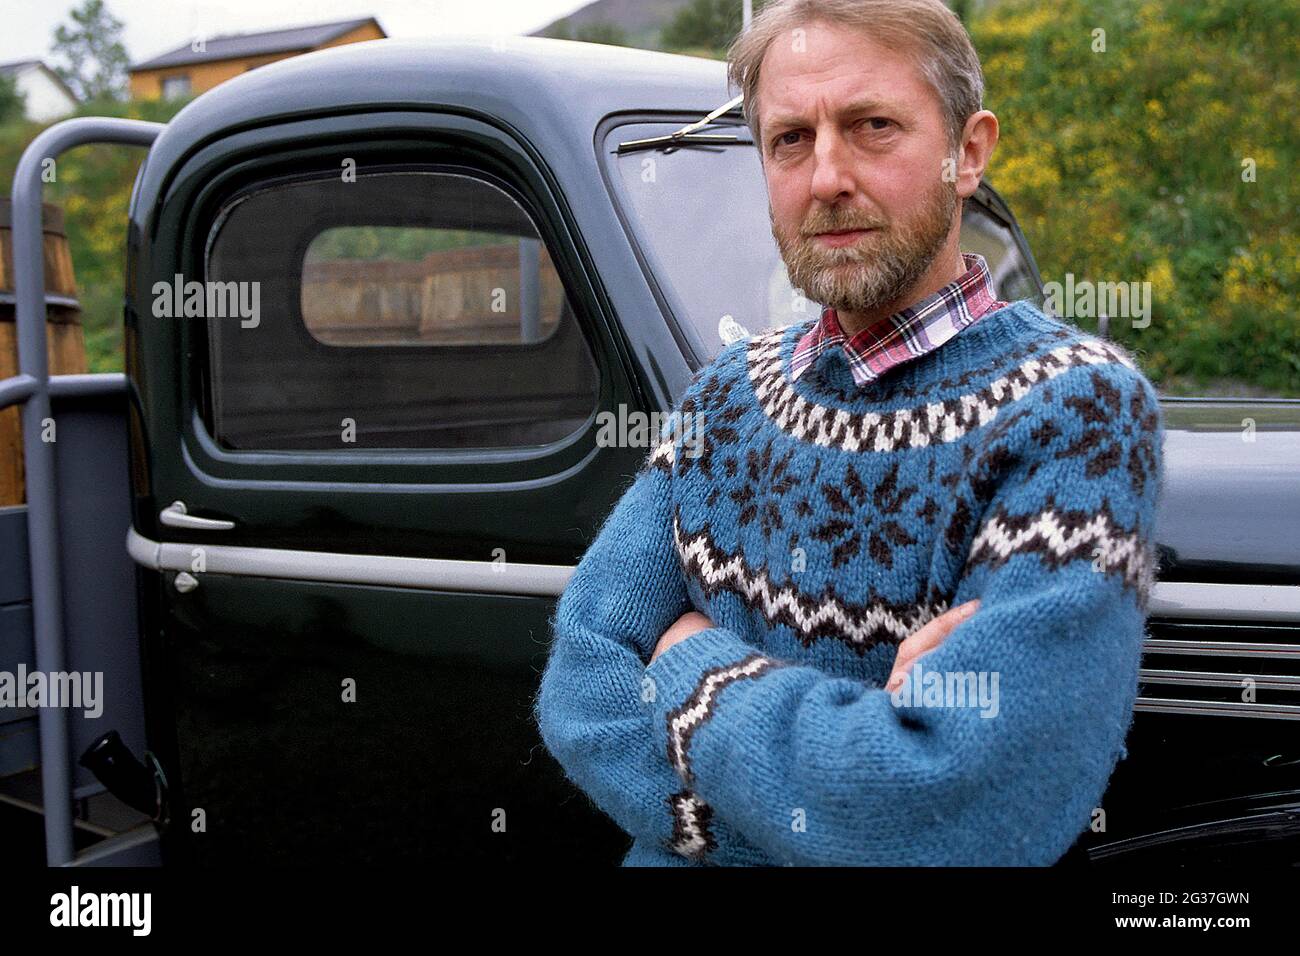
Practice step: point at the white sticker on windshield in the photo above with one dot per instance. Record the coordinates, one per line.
(729, 330)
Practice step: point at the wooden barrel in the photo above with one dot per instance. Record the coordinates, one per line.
(65, 343)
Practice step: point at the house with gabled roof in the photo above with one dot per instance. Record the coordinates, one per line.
(46, 97)
(204, 62)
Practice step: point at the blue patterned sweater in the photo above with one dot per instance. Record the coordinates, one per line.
(817, 524)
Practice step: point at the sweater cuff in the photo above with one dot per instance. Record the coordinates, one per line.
(687, 679)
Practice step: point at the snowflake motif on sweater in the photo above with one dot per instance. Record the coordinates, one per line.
(820, 525)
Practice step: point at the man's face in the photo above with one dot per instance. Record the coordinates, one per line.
(853, 140)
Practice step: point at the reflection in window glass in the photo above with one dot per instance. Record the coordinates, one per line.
(374, 285)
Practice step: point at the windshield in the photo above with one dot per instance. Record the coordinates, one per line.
(700, 218)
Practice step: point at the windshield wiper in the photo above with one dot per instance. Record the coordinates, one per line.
(688, 134)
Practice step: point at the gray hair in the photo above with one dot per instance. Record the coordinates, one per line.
(929, 30)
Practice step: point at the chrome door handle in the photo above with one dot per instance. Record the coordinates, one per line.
(175, 516)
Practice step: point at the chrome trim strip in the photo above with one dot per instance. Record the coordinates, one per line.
(1213, 708)
(1218, 602)
(440, 574)
(1225, 602)
(1272, 818)
(1283, 652)
(1218, 679)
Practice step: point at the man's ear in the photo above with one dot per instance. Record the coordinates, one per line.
(978, 138)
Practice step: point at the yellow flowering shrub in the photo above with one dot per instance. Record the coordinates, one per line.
(1154, 141)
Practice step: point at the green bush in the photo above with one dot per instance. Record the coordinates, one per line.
(1127, 166)
(93, 186)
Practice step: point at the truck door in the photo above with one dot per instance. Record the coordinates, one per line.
(371, 463)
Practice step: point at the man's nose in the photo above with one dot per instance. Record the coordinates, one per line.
(833, 175)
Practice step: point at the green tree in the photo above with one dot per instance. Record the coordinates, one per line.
(95, 60)
(1154, 142)
(93, 186)
(12, 101)
(708, 25)
(602, 31)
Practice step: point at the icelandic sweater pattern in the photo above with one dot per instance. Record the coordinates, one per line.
(819, 525)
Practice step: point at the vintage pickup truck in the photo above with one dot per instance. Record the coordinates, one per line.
(381, 301)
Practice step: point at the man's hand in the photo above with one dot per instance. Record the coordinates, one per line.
(927, 639)
(686, 625)
(913, 646)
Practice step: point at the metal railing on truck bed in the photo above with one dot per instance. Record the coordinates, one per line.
(50, 605)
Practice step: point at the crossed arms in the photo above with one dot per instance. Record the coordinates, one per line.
(724, 754)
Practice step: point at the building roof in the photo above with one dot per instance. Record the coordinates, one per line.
(236, 45)
(14, 67)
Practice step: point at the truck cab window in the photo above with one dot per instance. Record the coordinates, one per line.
(404, 310)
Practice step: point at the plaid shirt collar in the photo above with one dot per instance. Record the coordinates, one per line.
(907, 334)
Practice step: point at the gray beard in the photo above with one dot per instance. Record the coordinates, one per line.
(863, 279)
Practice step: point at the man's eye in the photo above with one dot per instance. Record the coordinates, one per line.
(784, 140)
(882, 120)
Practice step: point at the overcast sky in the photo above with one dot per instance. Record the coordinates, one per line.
(155, 26)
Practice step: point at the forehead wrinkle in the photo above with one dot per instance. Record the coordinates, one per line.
(858, 105)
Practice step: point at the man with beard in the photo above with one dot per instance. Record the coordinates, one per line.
(922, 469)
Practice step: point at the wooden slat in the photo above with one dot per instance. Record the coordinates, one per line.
(65, 342)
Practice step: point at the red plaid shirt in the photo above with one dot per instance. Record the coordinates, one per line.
(905, 335)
